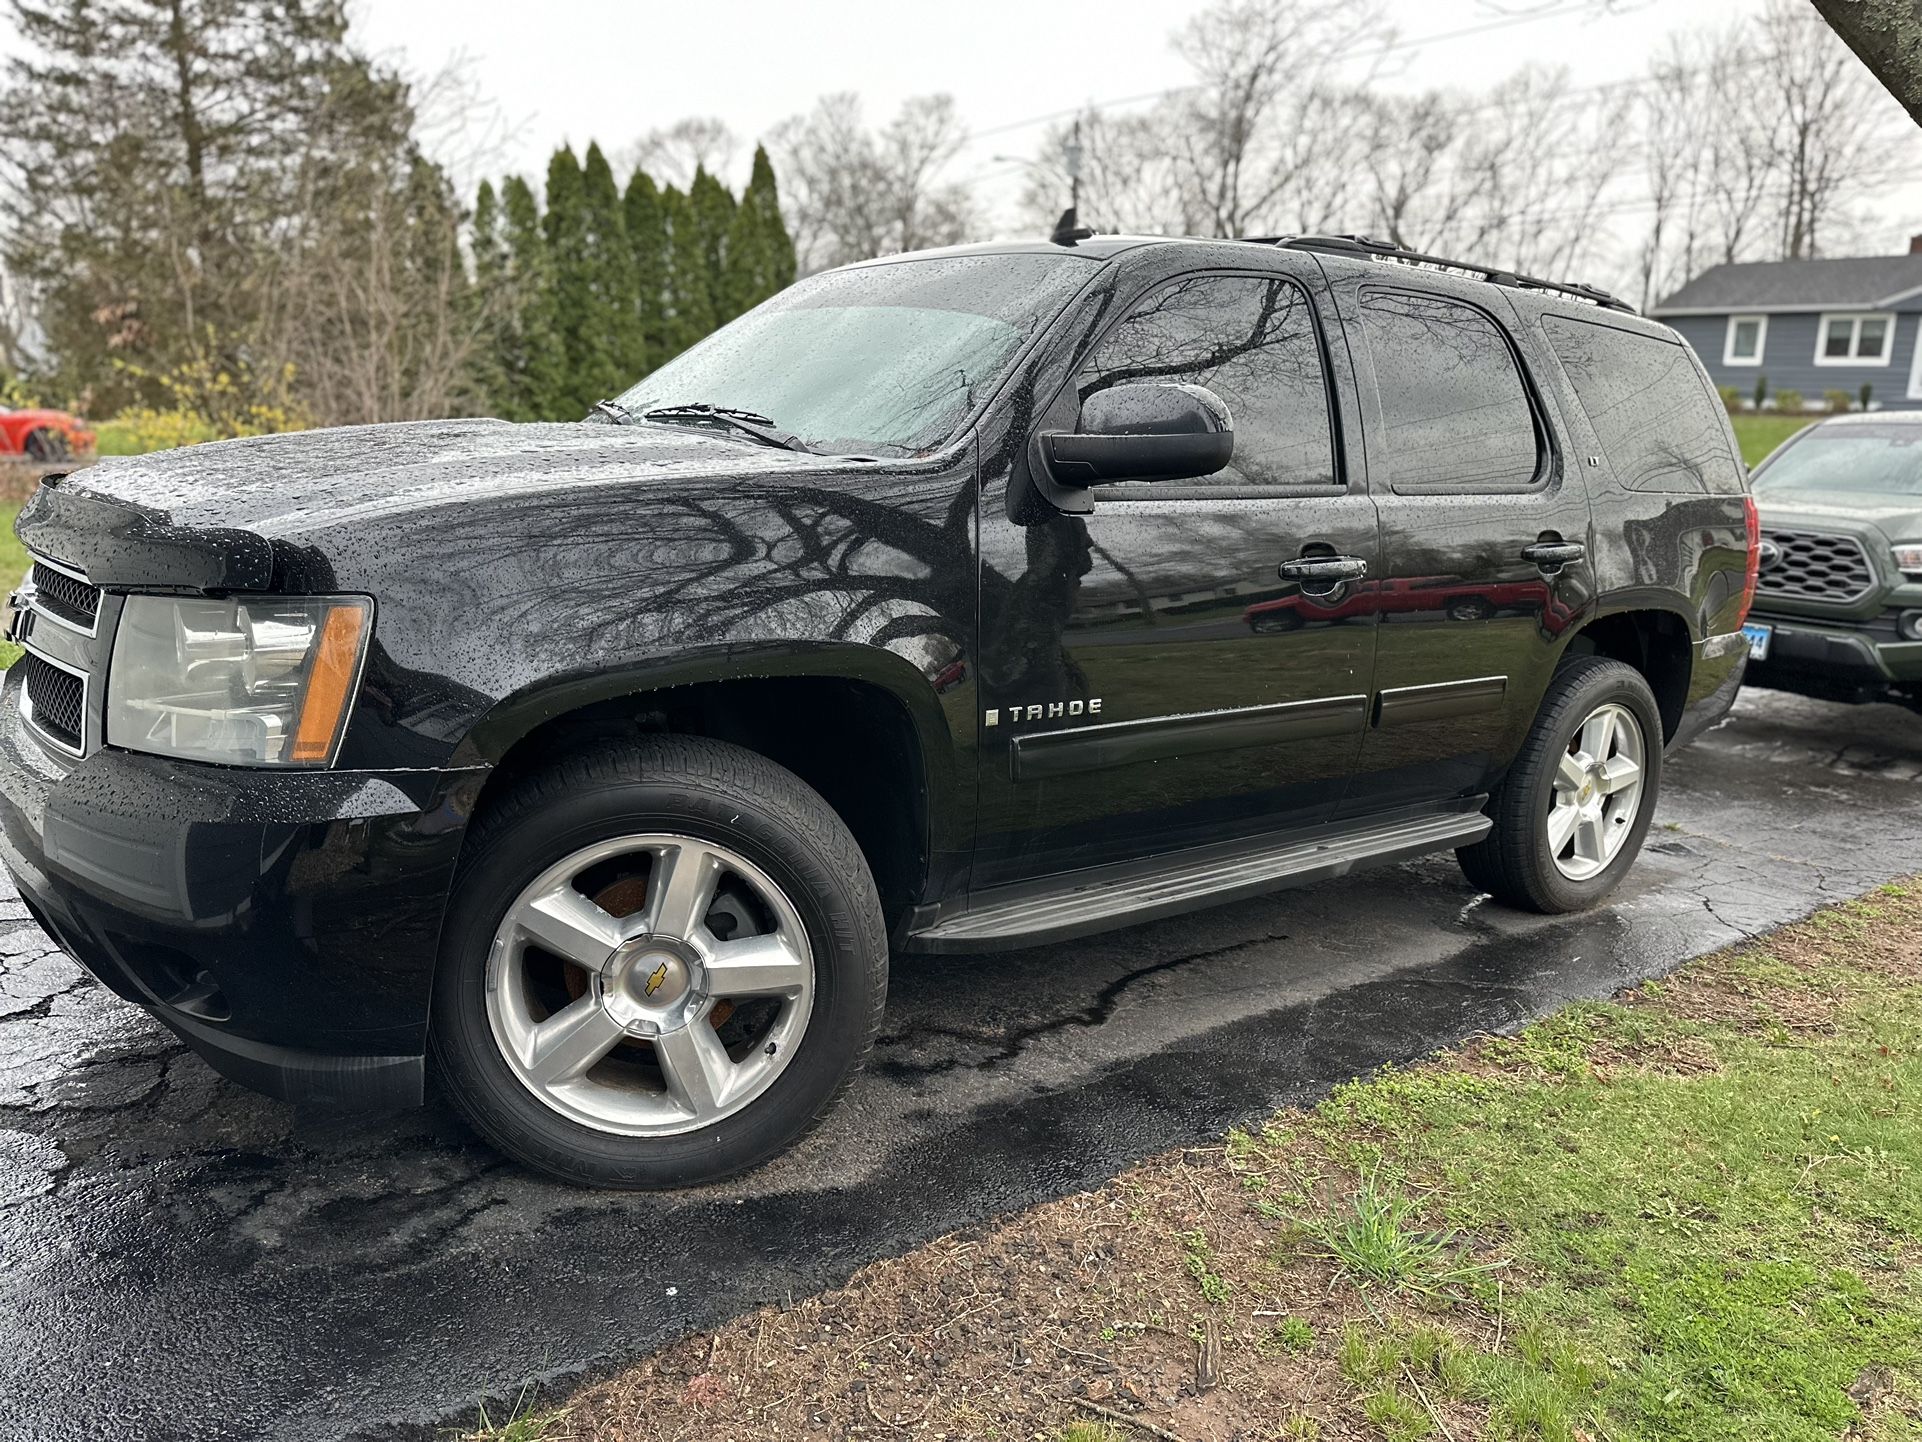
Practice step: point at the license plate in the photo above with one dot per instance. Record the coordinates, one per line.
(1758, 641)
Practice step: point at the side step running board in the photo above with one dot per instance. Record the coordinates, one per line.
(1104, 897)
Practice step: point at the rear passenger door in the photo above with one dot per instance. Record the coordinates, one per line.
(1485, 539)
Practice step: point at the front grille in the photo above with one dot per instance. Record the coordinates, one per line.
(66, 598)
(1816, 567)
(56, 701)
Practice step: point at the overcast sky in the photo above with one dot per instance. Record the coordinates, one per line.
(611, 70)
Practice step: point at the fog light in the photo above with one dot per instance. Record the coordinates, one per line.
(1909, 625)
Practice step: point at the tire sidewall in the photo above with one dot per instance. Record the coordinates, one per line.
(1621, 685)
(828, 902)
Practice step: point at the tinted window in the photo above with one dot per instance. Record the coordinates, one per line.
(1658, 423)
(1456, 414)
(1880, 459)
(1252, 342)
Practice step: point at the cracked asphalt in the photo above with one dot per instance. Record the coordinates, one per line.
(181, 1258)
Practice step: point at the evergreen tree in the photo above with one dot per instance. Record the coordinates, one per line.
(616, 294)
(690, 296)
(488, 366)
(712, 209)
(532, 367)
(647, 239)
(760, 254)
(583, 338)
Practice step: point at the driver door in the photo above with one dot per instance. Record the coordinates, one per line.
(1150, 681)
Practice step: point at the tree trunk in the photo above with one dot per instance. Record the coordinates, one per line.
(1886, 35)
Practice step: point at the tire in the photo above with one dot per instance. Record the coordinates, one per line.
(45, 446)
(628, 823)
(1519, 862)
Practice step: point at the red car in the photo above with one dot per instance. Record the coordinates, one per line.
(42, 435)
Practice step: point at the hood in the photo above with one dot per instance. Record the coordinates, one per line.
(1899, 518)
(208, 515)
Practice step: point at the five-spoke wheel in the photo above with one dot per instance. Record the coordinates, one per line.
(659, 1018)
(662, 962)
(1597, 792)
(1570, 815)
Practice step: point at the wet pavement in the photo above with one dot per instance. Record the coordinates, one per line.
(182, 1258)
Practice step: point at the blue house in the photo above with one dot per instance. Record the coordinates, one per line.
(1809, 325)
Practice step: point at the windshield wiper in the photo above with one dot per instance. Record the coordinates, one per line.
(619, 414)
(748, 423)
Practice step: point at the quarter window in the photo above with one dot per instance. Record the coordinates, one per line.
(1456, 414)
(1249, 339)
(1854, 340)
(1747, 337)
(1659, 425)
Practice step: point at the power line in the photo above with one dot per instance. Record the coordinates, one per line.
(1387, 47)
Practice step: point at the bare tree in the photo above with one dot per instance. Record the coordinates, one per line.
(851, 192)
(673, 154)
(1130, 177)
(1834, 132)
(1256, 136)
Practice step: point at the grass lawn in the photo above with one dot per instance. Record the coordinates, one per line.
(1691, 1213)
(1760, 434)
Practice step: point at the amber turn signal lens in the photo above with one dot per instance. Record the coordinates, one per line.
(329, 685)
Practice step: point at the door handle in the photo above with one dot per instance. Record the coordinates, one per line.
(1323, 570)
(1551, 556)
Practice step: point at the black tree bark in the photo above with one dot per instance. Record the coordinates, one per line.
(1886, 35)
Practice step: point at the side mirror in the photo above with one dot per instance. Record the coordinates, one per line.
(1143, 432)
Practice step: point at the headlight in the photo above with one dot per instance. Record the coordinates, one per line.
(259, 681)
(1908, 559)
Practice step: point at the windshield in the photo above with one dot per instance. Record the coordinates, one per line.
(1885, 459)
(884, 359)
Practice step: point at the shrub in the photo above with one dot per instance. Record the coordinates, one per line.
(1866, 392)
(1761, 391)
(1731, 398)
(1788, 401)
(208, 404)
(1839, 402)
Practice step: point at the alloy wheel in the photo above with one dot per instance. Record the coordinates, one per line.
(650, 985)
(1597, 792)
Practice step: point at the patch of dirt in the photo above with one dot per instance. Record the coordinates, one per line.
(1093, 1308)
(1179, 1300)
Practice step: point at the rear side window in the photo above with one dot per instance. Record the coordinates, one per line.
(1453, 404)
(1249, 339)
(1657, 421)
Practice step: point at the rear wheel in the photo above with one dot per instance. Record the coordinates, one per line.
(1572, 813)
(46, 445)
(663, 962)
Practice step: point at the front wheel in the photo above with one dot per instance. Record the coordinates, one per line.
(1571, 815)
(663, 962)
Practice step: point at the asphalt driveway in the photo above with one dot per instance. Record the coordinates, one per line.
(181, 1258)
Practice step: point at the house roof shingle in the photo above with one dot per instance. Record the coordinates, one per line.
(1857, 283)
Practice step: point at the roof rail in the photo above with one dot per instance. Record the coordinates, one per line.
(1363, 247)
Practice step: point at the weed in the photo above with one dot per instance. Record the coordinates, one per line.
(1295, 1334)
(1373, 1240)
(1201, 1261)
(521, 1424)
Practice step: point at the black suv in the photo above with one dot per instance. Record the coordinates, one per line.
(947, 602)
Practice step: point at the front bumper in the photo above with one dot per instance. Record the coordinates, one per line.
(1837, 660)
(283, 923)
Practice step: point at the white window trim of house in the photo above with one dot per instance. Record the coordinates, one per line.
(1855, 338)
(1915, 366)
(1729, 357)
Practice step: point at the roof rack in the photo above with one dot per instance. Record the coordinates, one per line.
(1364, 247)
